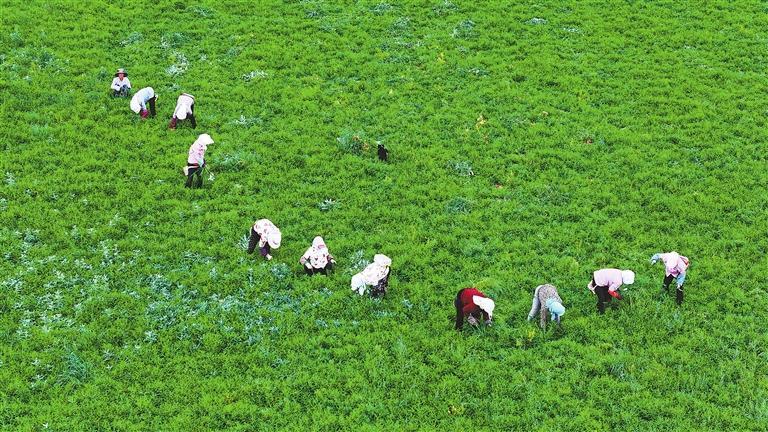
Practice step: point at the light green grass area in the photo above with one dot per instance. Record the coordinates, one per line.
(598, 133)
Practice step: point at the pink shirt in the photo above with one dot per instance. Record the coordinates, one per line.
(197, 153)
(608, 277)
(674, 263)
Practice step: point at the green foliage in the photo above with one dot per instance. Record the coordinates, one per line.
(530, 142)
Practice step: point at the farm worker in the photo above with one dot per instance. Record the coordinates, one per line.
(375, 274)
(266, 235)
(675, 266)
(546, 300)
(140, 100)
(472, 304)
(185, 107)
(121, 86)
(606, 282)
(317, 259)
(196, 161)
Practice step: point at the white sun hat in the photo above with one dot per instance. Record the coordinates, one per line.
(627, 277)
(485, 304)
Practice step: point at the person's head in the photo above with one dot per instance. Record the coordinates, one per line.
(274, 238)
(556, 309)
(382, 260)
(318, 242)
(486, 304)
(121, 74)
(204, 139)
(627, 277)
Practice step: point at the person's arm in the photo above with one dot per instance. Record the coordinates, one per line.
(535, 305)
(305, 257)
(115, 84)
(544, 314)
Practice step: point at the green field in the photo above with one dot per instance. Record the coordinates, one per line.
(530, 142)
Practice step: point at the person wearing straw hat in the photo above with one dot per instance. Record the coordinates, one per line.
(473, 305)
(675, 266)
(375, 274)
(185, 108)
(196, 161)
(266, 236)
(605, 284)
(317, 259)
(546, 300)
(141, 99)
(121, 85)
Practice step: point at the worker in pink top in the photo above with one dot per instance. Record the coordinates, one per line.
(196, 161)
(675, 266)
(606, 282)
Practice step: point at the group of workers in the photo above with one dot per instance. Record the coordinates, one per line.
(474, 306)
(471, 304)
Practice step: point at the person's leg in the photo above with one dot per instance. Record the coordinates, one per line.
(199, 178)
(253, 241)
(459, 313)
(152, 106)
(172, 124)
(192, 117)
(602, 297)
(190, 176)
(667, 280)
(265, 250)
(535, 305)
(308, 271)
(679, 293)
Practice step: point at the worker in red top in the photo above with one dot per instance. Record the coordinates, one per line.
(473, 304)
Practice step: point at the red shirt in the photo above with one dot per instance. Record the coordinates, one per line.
(467, 305)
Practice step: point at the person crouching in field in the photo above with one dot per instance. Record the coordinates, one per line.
(606, 282)
(196, 161)
(141, 99)
(185, 107)
(675, 266)
(375, 274)
(317, 259)
(266, 236)
(121, 86)
(546, 300)
(473, 305)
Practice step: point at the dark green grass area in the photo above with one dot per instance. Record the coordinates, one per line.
(529, 143)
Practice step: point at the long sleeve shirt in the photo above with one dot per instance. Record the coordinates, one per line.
(140, 98)
(117, 84)
(674, 264)
(468, 307)
(608, 277)
(197, 154)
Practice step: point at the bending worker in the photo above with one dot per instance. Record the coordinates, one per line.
(606, 282)
(546, 300)
(675, 266)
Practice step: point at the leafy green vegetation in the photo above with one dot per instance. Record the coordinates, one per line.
(529, 143)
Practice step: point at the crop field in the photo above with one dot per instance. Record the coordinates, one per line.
(530, 143)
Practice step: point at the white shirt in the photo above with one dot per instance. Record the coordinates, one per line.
(139, 100)
(117, 84)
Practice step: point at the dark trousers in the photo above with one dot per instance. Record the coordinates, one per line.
(254, 241)
(194, 176)
(602, 298)
(381, 287)
(678, 292)
(313, 271)
(151, 102)
(123, 92)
